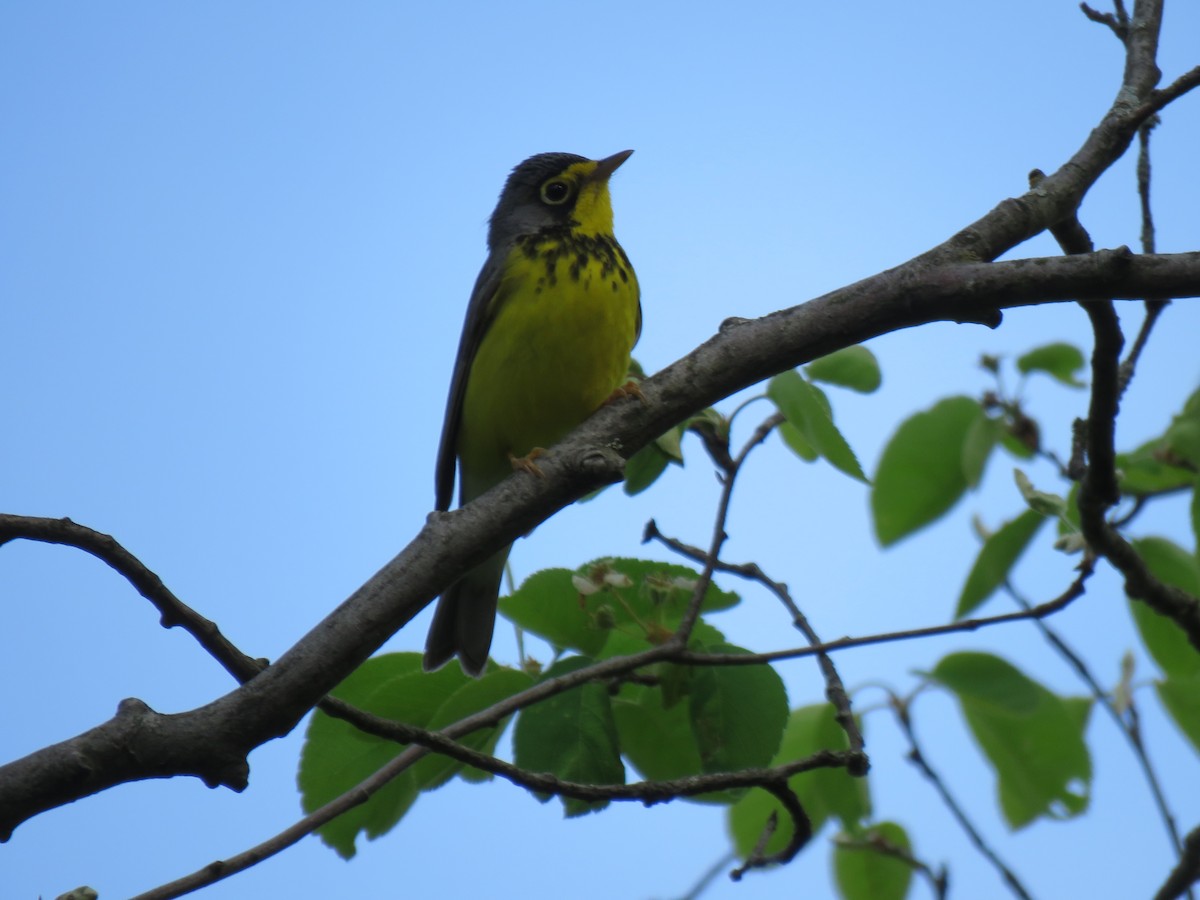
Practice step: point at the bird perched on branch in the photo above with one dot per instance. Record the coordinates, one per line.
(549, 328)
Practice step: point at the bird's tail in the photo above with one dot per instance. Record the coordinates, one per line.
(465, 617)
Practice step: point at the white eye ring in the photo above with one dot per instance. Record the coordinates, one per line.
(555, 192)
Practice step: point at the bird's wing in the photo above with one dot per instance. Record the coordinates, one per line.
(637, 330)
(481, 311)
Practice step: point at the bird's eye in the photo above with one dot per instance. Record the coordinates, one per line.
(555, 191)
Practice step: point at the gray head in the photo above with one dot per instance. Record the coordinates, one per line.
(554, 189)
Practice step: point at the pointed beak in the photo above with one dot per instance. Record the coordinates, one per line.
(608, 165)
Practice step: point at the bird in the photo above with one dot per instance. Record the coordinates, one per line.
(549, 329)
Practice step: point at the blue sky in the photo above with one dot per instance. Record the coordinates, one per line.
(236, 242)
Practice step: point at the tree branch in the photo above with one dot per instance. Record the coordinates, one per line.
(173, 612)
(1186, 873)
(1098, 490)
(1073, 592)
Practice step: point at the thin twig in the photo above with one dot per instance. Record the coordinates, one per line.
(1158, 99)
(645, 792)
(801, 824)
(874, 842)
(1129, 729)
(1107, 19)
(1154, 308)
(1139, 504)
(1073, 592)
(1143, 183)
(173, 612)
(730, 469)
(917, 758)
(801, 830)
(835, 691)
(709, 877)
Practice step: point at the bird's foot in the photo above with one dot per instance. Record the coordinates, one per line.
(629, 389)
(526, 463)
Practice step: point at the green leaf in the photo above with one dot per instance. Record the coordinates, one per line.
(1032, 737)
(981, 439)
(639, 599)
(548, 604)
(571, 735)
(1195, 508)
(667, 730)
(854, 367)
(1060, 361)
(1164, 639)
(865, 873)
(336, 756)
(1014, 445)
(643, 468)
(920, 475)
(796, 442)
(824, 793)
(1180, 696)
(671, 443)
(807, 409)
(738, 713)
(1150, 470)
(656, 735)
(497, 684)
(1183, 435)
(1068, 522)
(996, 558)
(710, 419)
(1039, 501)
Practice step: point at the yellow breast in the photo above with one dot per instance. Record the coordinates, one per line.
(566, 320)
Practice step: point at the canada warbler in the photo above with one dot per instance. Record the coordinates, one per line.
(553, 317)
